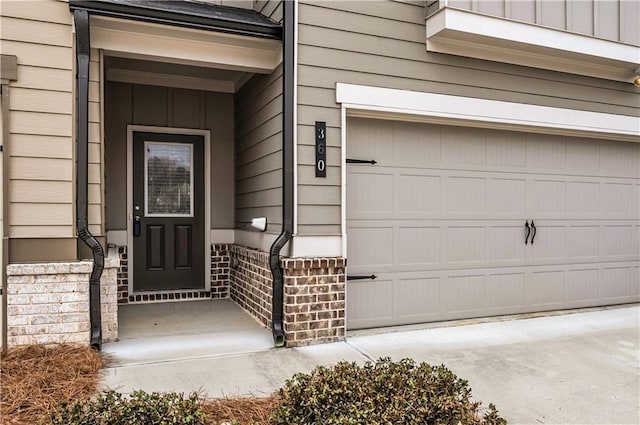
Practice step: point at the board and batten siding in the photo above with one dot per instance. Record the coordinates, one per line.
(259, 150)
(382, 43)
(608, 19)
(41, 203)
(127, 103)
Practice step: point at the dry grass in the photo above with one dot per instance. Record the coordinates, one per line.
(243, 410)
(34, 379)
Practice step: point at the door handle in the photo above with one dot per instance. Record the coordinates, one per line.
(533, 226)
(136, 225)
(526, 238)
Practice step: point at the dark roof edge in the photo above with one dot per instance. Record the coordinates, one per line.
(167, 17)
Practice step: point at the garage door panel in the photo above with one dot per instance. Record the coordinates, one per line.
(582, 241)
(371, 192)
(418, 193)
(369, 303)
(546, 152)
(619, 160)
(370, 246)
(417, 142)
(506, 149)
(464, 146)
(583, 198)
(465, 194)
(616, 284)
(546, 198)
(616, 240)
(506, 195)
(545, 290)
(464, 295)
(549, 242)
(506, 243)
(465, 244)
(582, 287)
(583, 155)
(617, 200)
(416, 299)
(418, 245)
(506, 291)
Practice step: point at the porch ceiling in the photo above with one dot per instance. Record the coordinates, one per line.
(138, 71)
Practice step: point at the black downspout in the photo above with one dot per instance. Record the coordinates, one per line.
(83, 52)
(288, 127)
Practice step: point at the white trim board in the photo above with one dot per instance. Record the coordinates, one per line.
(465, 33)
(447, 109)
(206, 134)
(164, 43)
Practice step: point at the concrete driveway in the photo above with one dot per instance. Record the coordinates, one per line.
(575, 368)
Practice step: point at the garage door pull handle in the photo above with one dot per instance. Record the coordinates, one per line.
(526, 238)
(533, 226)
(361, 161)
(372, 277)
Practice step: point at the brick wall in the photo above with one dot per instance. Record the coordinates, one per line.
(314, 294)
(49, 303)
(123, 276)
(251, 282)
(220, 271)
(314, 300)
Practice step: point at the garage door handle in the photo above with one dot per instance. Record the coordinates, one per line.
(361, 161)
(372, 277)
(526, 238)
(533, 226)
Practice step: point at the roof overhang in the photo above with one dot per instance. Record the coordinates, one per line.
(464, 33)
(189, 14)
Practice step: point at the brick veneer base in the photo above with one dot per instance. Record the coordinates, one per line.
(49, 303)
(314, 300)
(251, 282)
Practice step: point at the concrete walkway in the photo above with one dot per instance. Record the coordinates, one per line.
(578, 368)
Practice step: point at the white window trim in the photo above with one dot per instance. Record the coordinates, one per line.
(206, 134)
(465, 33)
(377, 102)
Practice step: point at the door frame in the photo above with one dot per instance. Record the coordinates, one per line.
(206, 134)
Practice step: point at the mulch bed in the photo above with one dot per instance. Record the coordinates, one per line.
(34, 379)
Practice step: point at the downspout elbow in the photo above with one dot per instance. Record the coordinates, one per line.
(277, 319)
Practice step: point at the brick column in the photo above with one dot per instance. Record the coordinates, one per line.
(314, 300)
(49, 303)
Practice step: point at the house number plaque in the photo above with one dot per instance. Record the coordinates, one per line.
(321, 149)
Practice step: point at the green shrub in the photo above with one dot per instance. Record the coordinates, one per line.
(110, 407)
(379, 393)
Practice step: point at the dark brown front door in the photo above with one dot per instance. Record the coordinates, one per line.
(168, 211)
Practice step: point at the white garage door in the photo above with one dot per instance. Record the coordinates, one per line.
(440, 221)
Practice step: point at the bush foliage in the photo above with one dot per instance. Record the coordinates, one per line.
(384, 392)
(110, 407)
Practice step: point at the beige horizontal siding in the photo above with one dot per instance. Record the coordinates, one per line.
(259, 150)
(36, 146)
(41, 193)
(382, 43)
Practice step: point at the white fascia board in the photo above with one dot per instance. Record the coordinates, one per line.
(469, 111)
(465, 33)
(184, 45)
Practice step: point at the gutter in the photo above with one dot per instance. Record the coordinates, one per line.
(83, 52)
(288, 130)
(251, 25)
